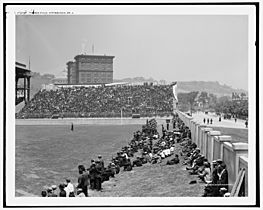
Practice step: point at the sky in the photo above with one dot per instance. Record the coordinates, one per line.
(169, 47)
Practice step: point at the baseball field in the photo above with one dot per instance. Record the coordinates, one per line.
(47, 154)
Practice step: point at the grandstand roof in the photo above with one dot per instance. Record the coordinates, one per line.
(22, 71)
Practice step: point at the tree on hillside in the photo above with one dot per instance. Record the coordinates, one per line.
(212, 101)
(187, 100)
(203, 98)
(191, 98)
(236, 108)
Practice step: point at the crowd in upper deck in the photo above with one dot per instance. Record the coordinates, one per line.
(101, 101)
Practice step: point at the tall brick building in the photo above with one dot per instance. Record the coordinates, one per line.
(90, 69)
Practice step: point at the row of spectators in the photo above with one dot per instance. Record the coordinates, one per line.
(96, 101)
(215, 175)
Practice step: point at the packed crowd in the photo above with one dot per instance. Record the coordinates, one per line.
(148, 146)
(100, 101)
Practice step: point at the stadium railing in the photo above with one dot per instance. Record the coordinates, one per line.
(91, 115)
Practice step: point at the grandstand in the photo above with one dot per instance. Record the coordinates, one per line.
(101, 101)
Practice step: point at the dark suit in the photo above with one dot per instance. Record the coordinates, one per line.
(223, 180)
(83, 182)
(93, 173)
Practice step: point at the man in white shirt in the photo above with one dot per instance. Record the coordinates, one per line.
(167, 152)
(206, 174)
(162, 154)
(172, 149)
(69, 188)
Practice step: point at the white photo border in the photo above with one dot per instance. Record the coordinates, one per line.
(13, 10)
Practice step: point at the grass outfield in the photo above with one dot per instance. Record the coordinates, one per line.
(45, 155)
(238, 135)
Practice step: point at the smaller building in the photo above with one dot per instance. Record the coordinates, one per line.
(49, 87)
(239, 96)
(60, 81)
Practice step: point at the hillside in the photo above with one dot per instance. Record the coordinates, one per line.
(207, 86)
(210, 87)
(37, 80)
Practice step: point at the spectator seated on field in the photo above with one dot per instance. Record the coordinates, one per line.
(127, 165)
(194, 155)
(205, 175)
(156, 159)
(137, 162)
(219, 182)
(173, 161)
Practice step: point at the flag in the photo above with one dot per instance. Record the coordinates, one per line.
(175, 91)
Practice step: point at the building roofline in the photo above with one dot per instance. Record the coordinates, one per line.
(69, 62)
(93, 56)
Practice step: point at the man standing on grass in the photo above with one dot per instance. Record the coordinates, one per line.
(83, 180)
(101, 162)
(98, 176)
(93, 174)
